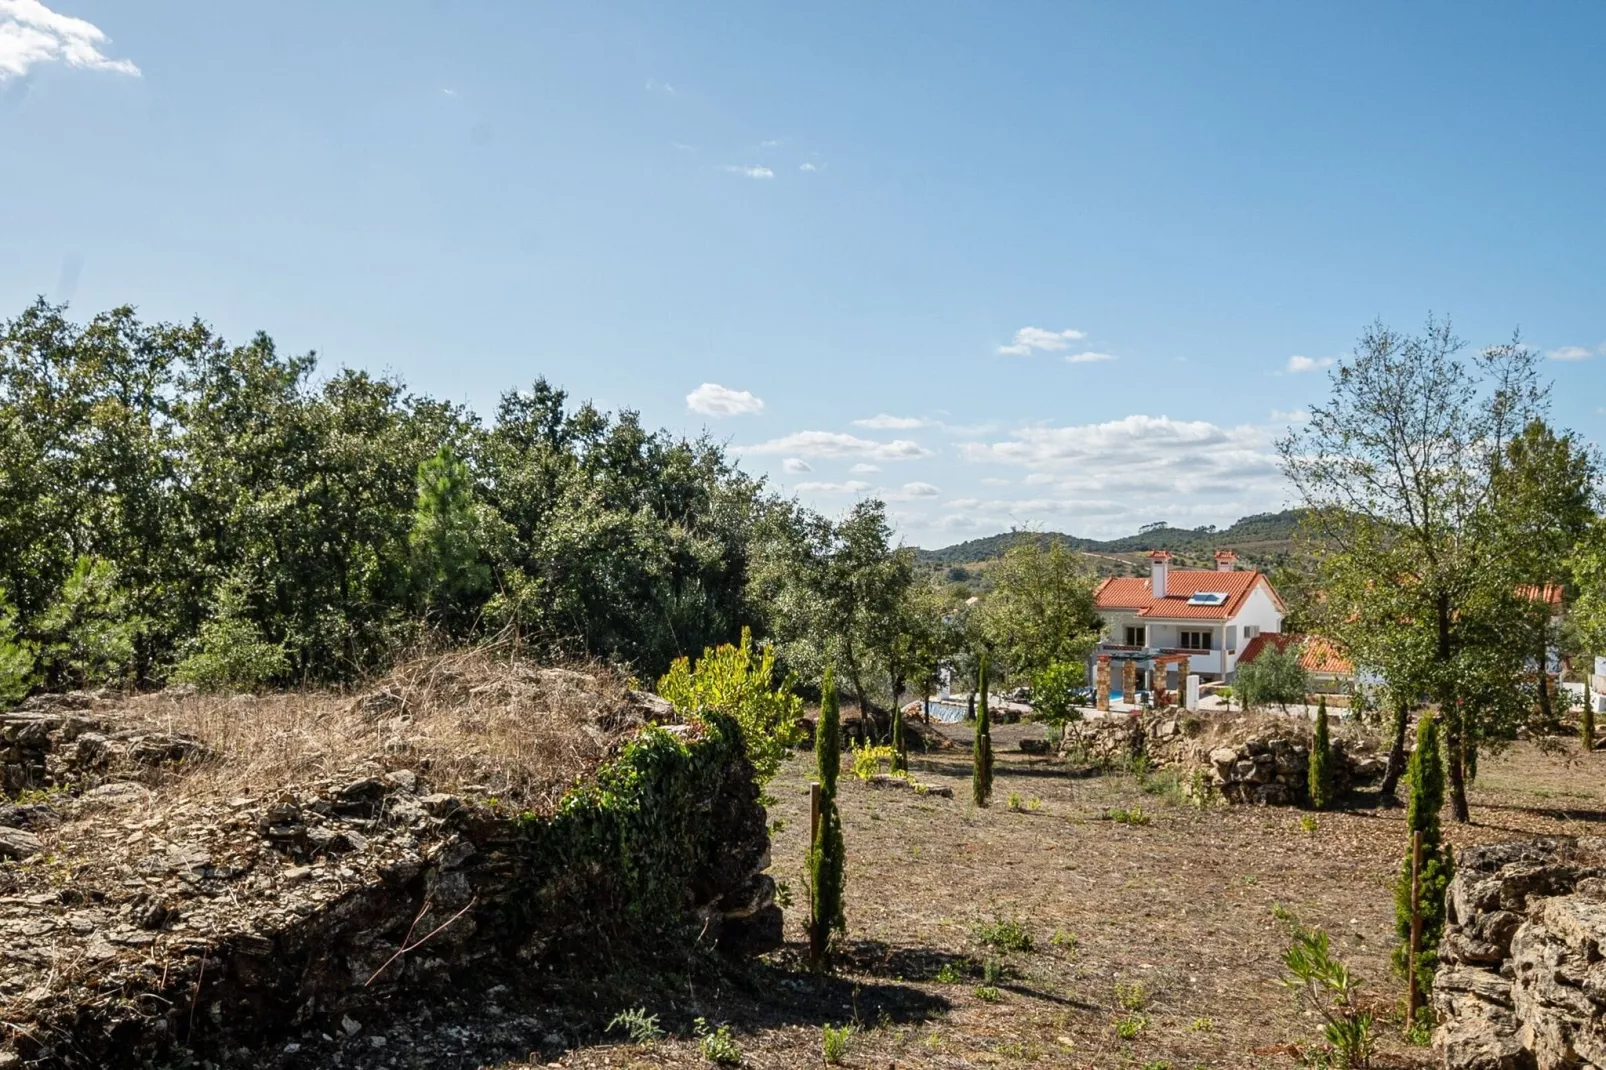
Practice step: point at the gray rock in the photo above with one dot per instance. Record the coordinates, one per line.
(18, 845)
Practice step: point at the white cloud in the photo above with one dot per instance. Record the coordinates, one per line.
(711, 399)
(852, 486)
(862, 469)
(1297, 364)
(839, 445)
(1029, 340)
(920, 490)
(750, 172)
(883, 422)
(660, 87)
(683, 147)
(31, 33)
(769, 143)
(994, 481)
(448, 92)
(796, 465)
(1574, 352)
(1087, 358)
(807, 167)
(1290, 416)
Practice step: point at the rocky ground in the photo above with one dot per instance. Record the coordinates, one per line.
(1170, 925)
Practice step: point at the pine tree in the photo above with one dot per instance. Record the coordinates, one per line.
(1321, 762)
(981, 780)
(447, 570)
(827, 855)
(17, 656)
(1426, 775)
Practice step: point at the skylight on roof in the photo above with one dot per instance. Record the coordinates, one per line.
(1208, 598)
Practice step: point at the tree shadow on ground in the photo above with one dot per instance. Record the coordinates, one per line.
(1552, 813)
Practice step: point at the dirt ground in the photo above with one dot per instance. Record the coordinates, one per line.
(1182, 905)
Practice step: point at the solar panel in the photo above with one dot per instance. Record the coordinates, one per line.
(1208, 598)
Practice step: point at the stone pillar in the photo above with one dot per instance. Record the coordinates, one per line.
(1182, 682)
(1129, 682)
(1101, 680)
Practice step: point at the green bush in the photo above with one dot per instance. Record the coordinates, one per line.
(1275, 676)
(1005, 935)
(732, 681)
(17, 657)
(89, 631)
(642, 1027)
(835, 1042)
(717, 1044)
(1321, 762)
(1053, 693)
(1324, 985)
(231, 653)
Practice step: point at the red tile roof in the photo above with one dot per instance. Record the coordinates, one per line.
(1133, 592)
(1316, 653)
(1550, 593)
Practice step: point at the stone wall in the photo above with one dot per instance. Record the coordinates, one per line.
(1243, 759)
(261, 928)
(1521, 982)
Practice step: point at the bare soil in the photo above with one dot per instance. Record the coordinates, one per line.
(1182, 905)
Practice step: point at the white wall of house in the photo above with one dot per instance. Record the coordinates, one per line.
(1259, 611)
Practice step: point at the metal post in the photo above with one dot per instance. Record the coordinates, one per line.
(1413, 998)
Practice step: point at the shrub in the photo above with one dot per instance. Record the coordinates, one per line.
(732, 681)
(1008, 935)
(1323, 984)
(981, 779)
(17, 657)
(870, 759)
(1055, 691)
(717, 1044)
(988, 994)
(638, 1024)
(835, 1042)
(1129, 1026)
(89, 631)
(1321, 762)
(231, 652)
(1122, 816)
(1274, 676)
(1131, 997)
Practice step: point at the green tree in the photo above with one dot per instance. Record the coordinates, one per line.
(733, 681)
(1054, 691)
(89, 631)
(18, 656)
(827, 853)
(1426, 776)
(1274, 676)
(1321, 762)
(447, 568)
(231, 653)
(1401, 474)
(1041, 609)
(981, 777)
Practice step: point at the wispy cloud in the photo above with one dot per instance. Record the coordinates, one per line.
(683, 147)
(1087, 358)
(921, 490)
(1029, 340)
(807, 167)
(749, 171)
(445, 92)
(862, 469)
(1298, 364)
(660, 87)
(883, 422)
(852, 486)
(797, 465)
(711, 399)
(1290, 416)
(1576, 352)
(31, 34)
(769, 143)
(837, 445)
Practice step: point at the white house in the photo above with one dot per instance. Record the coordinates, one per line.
(1210, 616)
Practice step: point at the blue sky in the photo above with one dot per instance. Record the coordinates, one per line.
(1065, 265)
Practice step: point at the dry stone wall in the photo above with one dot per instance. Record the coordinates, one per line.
(1242, 759)
(1521, 983)
(286, 929)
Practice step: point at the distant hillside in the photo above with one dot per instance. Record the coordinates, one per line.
(1261, 541)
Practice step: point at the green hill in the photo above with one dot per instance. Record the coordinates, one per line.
(1261, 541)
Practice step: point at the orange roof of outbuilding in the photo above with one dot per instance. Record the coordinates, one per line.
(1316, 653)
(1134, 592)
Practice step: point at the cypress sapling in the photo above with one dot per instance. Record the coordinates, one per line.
(1321, 762)
(981, 779)
(827, 854)
(1425, 773)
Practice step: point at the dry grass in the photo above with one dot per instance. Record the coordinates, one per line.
(477, 720)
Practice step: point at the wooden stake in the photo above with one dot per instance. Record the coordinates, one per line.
(1413, 998)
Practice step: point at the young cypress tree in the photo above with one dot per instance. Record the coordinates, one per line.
(827, 855)
(1321, 762)
(1426, 775)
(981, 778)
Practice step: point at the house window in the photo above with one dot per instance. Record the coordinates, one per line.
(1134, 636)
(1250, 631)
(1194, 640)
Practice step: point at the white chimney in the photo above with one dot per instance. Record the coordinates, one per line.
(1159, 565)
(1226, 560)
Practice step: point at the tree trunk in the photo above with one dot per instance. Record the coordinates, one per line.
(1396, 762)
(1455, 760)
(970, 707)
(1544, 690)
